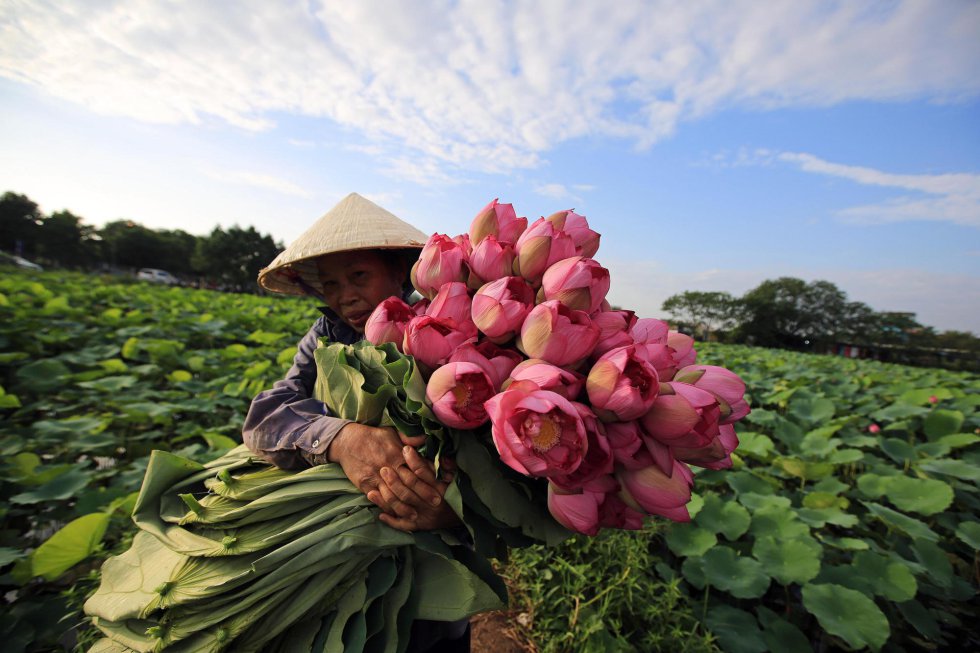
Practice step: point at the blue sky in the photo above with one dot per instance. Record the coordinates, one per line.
(713, 144)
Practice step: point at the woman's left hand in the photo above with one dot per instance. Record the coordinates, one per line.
(397, 487)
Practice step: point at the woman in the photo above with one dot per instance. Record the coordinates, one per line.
(354, 257)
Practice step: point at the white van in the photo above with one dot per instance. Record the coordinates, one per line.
(157, 276)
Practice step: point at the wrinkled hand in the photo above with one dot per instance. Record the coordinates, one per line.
(398, 487)
(365, 451)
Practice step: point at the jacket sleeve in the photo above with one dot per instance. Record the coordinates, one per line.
(285, 425)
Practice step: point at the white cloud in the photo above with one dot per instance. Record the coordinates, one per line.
(952, 197)
(563, 192)
(486, 86)
(258, 180)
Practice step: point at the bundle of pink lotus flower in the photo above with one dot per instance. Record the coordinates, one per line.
(515, 330)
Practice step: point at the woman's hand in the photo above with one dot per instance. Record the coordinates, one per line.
(398, 486)
(365, 452)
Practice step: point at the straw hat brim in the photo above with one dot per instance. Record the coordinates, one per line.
(354, 224)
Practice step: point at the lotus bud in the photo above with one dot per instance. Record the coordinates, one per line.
(432, 341)
(557, 334)
(598, 460)
(577, 282)
(577, 227)
(540, 247)
(452, 304)
(656, 493)
(549, 377)
(500, 308)
(649, 331)
(456, 392)
(715, 455)
(387, 322)
(490, 260)
(614, 330)
(683, 346)
(498, 220)
(442, 260)
(497, 362)
(682, 416)
(723, 384)
(622, 385)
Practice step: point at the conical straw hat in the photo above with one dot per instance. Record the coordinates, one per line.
(355, 223)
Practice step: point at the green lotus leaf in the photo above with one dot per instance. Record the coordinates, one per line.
(742, 577)
(923, 396)
(845, 543)
(819, 517)
(74, 542)
(830, 485)
(909, 525)
(744, 482)
(736, 630)
(693, 571)
(935, 561)
(779, 634)
(778, 521)
(884, 577)
(795, 560)
(687, 539)
(848, 614)
(942, 422)
(756, 502)
(925, 496)
(873, 485)
(845, 456)
(723, 516)
(42, 376)
(898, 450)
(805, 470)
(811, 409)
(110, 383)
(921, 619)
(64, 486)
(950, 467)
(755, 445)
(969, 532)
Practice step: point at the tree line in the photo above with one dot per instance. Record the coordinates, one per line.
(226, 258)
(791, 313)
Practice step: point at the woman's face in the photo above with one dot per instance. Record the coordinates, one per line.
(354, 283)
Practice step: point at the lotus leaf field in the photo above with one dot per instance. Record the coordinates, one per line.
(849, 520)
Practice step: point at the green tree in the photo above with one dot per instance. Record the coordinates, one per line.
(19, 222)
(704, 311)
(234, 257)
(64, 239)
(789, 312)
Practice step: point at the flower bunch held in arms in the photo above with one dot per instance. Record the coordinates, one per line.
(602, 411)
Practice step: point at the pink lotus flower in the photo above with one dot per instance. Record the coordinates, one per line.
(557, 334)
(683, 347)
(421, 306)
(576, 510)
(577, 227)
(716, 455)
(723, 384)
(622, 385)
(649, 331)
(616, 514)
(549, 377)
(387, 322)
(627, 445)
(682, 416)
(540, 247)
(490, 260)
(497, 362)
(598, 460)
(456, 392)
(577, 282)
(432, 341)
(614, 330)
(452, 304)
(537, 432)
(499, 220)
(500, 307)
(874, 428)
(442, 260)
(662, 359)
(656, 493)
(933, 399)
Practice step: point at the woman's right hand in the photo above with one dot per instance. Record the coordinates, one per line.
(363, 451)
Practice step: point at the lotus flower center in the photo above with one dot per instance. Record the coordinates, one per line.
(638, 376)
(462, 394)
(544, 431)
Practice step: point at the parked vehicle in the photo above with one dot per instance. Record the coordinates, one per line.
(19, 262)
(157, 276)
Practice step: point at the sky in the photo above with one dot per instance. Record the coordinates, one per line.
(712, 144)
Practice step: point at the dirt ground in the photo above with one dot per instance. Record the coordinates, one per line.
(496, 632)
